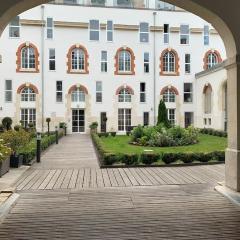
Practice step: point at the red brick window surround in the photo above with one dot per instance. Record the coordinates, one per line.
(211, 58)
(124, 94)
(27, 58)
(77, 60)
(169, 63)
(169, 94)
(124, 61)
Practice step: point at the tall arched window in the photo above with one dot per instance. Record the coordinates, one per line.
(169, 62)
(27, 58)
(124, 59)
(208, 99)
(211, 58)
(78, 59)
(28, 95)
(169, 96)
(124, 64)
(78, 95)
(124, 95)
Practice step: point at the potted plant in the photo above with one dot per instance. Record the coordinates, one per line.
(48, 120)
(113, 133)
(4, 158)
(1, 128)
(7, 123)
(94, 127)
(15, 140)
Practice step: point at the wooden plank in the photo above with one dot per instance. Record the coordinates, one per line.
(112, 177)
(106, 179)
(93, 180)
(72, 183)
(125, 178)
(47, 179)
(130, 176)
(36, 185)
(27, 180)
(67, 179)
(60, 179)
(100, 182)
(54, 179)
(137, 177)
(79, 183)
(86, 180)
(118, 178)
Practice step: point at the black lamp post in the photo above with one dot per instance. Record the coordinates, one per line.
(56, 133)
(38, 153)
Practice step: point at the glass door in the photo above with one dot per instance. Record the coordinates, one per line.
(78, 121)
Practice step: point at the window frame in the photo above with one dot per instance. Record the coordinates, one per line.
(99, 93)
(169, 96)
(109, 30)
(8, 91)
(190, 93)
(187, 64)
(104, 62)
(185, 35)
(124, 96)
(94, 30)
(170, 119)
(51, 59)
(51, 28)
(59, 92)
(18, 27)
(79, 95)
(33, 115)
(142, 93)
(166, 34)
(146, 63)
(144, 32)
(29, 96)
(125, 62)
(206, 35)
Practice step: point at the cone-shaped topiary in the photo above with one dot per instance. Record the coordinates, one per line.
(7, 123)
(163, 114)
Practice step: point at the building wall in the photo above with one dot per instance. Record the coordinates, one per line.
(71, 27)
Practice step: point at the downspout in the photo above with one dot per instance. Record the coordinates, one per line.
(154, 67)
(42, 62)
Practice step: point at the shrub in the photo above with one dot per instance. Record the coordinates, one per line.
(62, 125)
(4, 151)
(93, 125)
(137, 133)
(113, 134)
(162, 114)
(149, 158)
(130, 159)
(7, 123)
(169, 158)
(109, 159)
(17, 127)
(16, 139)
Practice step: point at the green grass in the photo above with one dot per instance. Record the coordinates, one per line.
(207, 143)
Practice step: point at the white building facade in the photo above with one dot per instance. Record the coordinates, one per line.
(78, 64)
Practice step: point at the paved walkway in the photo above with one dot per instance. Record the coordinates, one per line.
(67, 196)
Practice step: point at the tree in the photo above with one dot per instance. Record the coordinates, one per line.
(163, 114)
(7, 123)
(48, 120)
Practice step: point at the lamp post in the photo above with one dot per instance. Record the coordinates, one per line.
(39, 137)
(56, 133)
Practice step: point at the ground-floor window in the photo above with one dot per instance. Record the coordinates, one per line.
(188, 119)
(146, 119)
(172, 116)
(124, 119)
(28, 115)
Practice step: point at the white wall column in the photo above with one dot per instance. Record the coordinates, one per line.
(233, 150)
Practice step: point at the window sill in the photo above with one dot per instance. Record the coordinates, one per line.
(125, 73)
(77, 72)
(27, 71)
(169, 74)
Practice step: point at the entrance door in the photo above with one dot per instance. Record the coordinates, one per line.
(103, 122)
(188, 119)
(78, 121)
(124, 119)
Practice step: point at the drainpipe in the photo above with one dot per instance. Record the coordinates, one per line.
(154, 67)
(42, 62)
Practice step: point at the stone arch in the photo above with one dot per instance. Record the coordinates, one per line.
(130, 90)
(33, 87)
(177, 64)
(75, 87)
(171, 88)
(19, 58)
(116, 65)
(69, 59)
(206, 86)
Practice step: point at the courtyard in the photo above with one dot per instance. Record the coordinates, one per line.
(60, 199)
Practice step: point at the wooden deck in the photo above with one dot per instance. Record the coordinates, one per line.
(68, 196)
(85, 178)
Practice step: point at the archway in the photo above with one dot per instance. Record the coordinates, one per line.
(224, 17)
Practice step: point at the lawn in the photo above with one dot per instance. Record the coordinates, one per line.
(120, 144)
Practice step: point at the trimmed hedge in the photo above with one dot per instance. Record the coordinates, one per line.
(213, 132)
(29, 151)
(109, 159)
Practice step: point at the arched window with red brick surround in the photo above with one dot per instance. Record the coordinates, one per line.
(124, 62)
(169, 63)
(28, 92)
(124, 94)
(78, 93)
(211, 58)
(78, 60)
(169, 94)
(27, 58)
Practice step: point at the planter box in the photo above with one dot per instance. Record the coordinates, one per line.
(16, 161)
(4, 166)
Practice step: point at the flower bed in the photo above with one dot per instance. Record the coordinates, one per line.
(160, 158)
(160, 136)
(4, 158)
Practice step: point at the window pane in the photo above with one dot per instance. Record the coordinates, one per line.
(8, 84)
(94, 35)
(104, 55)
(14, 32)
(144, 27)
(184, 29)
(94, 24)
(49, 22)
(110, 25)
(98, 86)
(110, 36)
